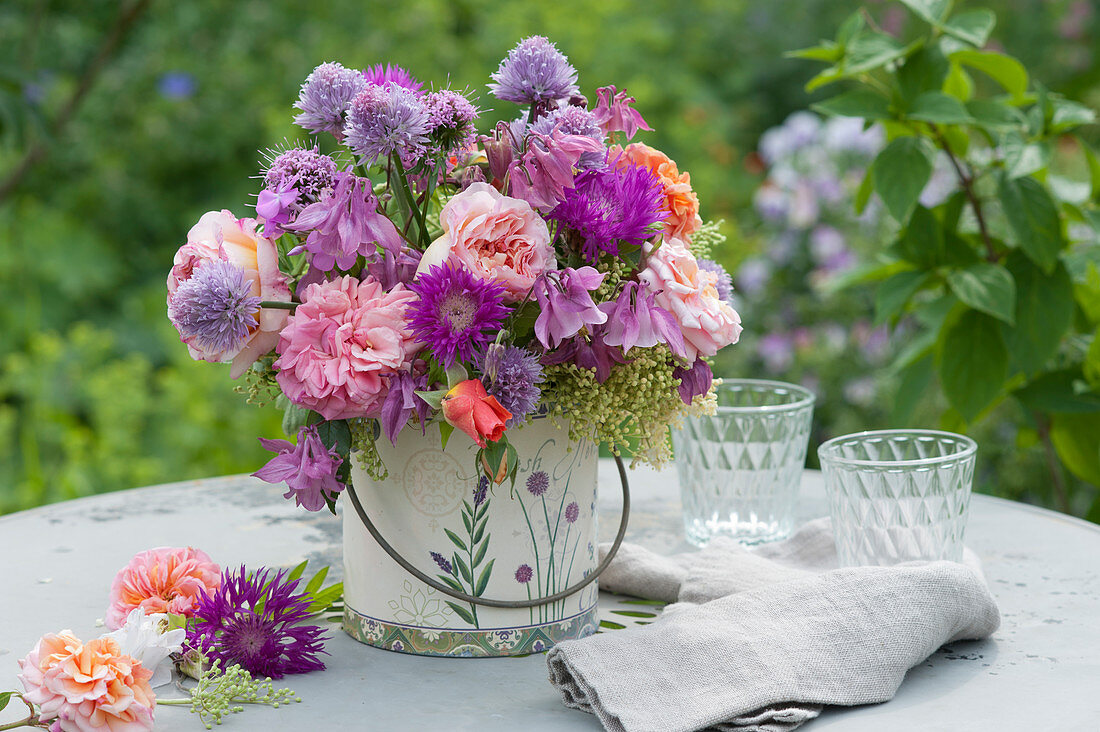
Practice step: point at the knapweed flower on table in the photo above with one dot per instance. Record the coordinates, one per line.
(325, 96)
(161, 580)
(468, 407)
(566, 305)
(614, 113)
(340, 345)
(495, 237)
(274, 641)
(534, 72)
(512, 374)
(392, 73)
(87, 686)
(146, 639)
(681, 202)
(612, 205)
(308, 469)
(673, 275)
(221, 237)
(456, 313)
(635, 320)
(387, 120)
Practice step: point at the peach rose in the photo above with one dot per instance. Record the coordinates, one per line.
(680, 200)
(161, 580)
(220, 236)
(690, 294)
(470, 408)
(495, 237)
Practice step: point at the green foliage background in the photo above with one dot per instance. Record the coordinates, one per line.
(96, 393)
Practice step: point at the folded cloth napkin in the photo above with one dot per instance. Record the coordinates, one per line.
(760, 641)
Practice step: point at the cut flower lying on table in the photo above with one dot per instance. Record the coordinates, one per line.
(405, 271)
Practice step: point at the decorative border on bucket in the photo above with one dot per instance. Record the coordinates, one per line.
(471, 643)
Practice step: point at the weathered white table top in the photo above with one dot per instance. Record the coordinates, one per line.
(1041, 671)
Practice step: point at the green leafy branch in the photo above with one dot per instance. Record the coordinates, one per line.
(475, 519)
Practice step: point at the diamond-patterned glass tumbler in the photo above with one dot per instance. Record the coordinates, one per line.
(898, 495)
(739, 468)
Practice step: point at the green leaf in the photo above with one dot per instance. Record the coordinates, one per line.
(1069, 114)
(1076, 438)
(463, 568)
(1094, 171)
(892, 295)
(611, 625)
(973, 363)
(1005, 70)
(469, 526)
(1092, 362)
(1087, 292)
(924, 70)
(1022, 157)
(863, 194)
(5, 697)
(1044, 312)
(296, 573)
(446, 429)
(451, 582)
(972, 26)
(900, 173)
(995, 116)
(337, 434)
(928, 244)
(634, 613)
(483, 580)
(852, 25)
(434, 398)
(870, 51)
(939, 108)
(294, 417)
(986, 287)
(915, 379)
(827, 51)
(958, 83)
(316, 581)
(1033, 218)
(479, 555)
(462, 612)
(932, 11)
(1063, 391)
(455, 539)
(856, 103)
(480, 531)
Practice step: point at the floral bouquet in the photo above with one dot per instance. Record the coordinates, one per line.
(405, 271)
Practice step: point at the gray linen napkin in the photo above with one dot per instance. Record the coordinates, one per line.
(774, 637)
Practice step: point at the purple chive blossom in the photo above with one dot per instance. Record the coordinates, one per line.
(325, 97)
(524, 573)
(401, 402)
(512, 375)
(443, 562)
(386, 120)
(457, 313)
(589, 353)
(307, 169)
(635, 319)
(273, 642)
(547, 168)
(570, 120)
(392, 74)
(572, 511)
(613, 113)
(308, 469)
(344, 224)
(481, 491)
(612, 205)
(694, 381)
(724, 285)
(565, 305)
(537, 483)
(534, 72)
(214, 309)
(451, 119)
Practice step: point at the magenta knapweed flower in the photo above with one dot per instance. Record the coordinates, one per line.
(694, 381)
(512, 374)
(215, 309)
(274, 641)
(565, 305)
(524, 573)
(612, 205)
(387, 120)
(634, 319)
(537, 483)
(456, 313)
(614, 113)
(325, 96)
(382, 76)
(308, 469)
(451, 118)
(547, 168)
(535, 71)
(572, 511)
(344, 225)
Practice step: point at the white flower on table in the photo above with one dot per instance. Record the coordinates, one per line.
(143, 637)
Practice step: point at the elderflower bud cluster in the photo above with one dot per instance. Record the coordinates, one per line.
(219, 693)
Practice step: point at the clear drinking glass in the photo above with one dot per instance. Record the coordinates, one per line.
(898, 495)
(739, 468)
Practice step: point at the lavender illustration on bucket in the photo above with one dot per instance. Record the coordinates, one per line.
(458, 572)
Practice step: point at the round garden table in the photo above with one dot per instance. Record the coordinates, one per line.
(1040, 671)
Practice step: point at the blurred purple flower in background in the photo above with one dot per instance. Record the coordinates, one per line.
(777, 351)
(753, 276)
(176, 85)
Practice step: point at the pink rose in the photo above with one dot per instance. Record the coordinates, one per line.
(161, 580)
(495, 237)
(220, 236)
(341, 343)
(690, 294)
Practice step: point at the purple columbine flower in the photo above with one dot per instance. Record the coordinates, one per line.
(694, 381)
(524, 573)
(273, 642)
(344, 224)
(565, 305)
(392, 74)
(612, 205)
(451, 118)
(215, 309)
(589, 353)
(512, 375)
(401, 403)
(481, 491)
(443, 562)
(537, 483)
(547, 168)
(572, 511)
(457, 313)
(571, 120)
(724, 284)
(385, 120)
(535, 72)
(277, 207)
(308, 469)
(325, 96)
(614, 113)
(635, 319)
(390, 268)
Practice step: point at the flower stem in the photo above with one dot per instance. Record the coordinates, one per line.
(278, 305)
(416, 212)
(535, 544)
(967, 183)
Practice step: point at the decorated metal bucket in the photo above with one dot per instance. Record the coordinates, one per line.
(502, 571)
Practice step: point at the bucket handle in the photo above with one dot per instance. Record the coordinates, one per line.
(488, 602)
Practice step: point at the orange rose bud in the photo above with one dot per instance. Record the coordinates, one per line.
(470, 408)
